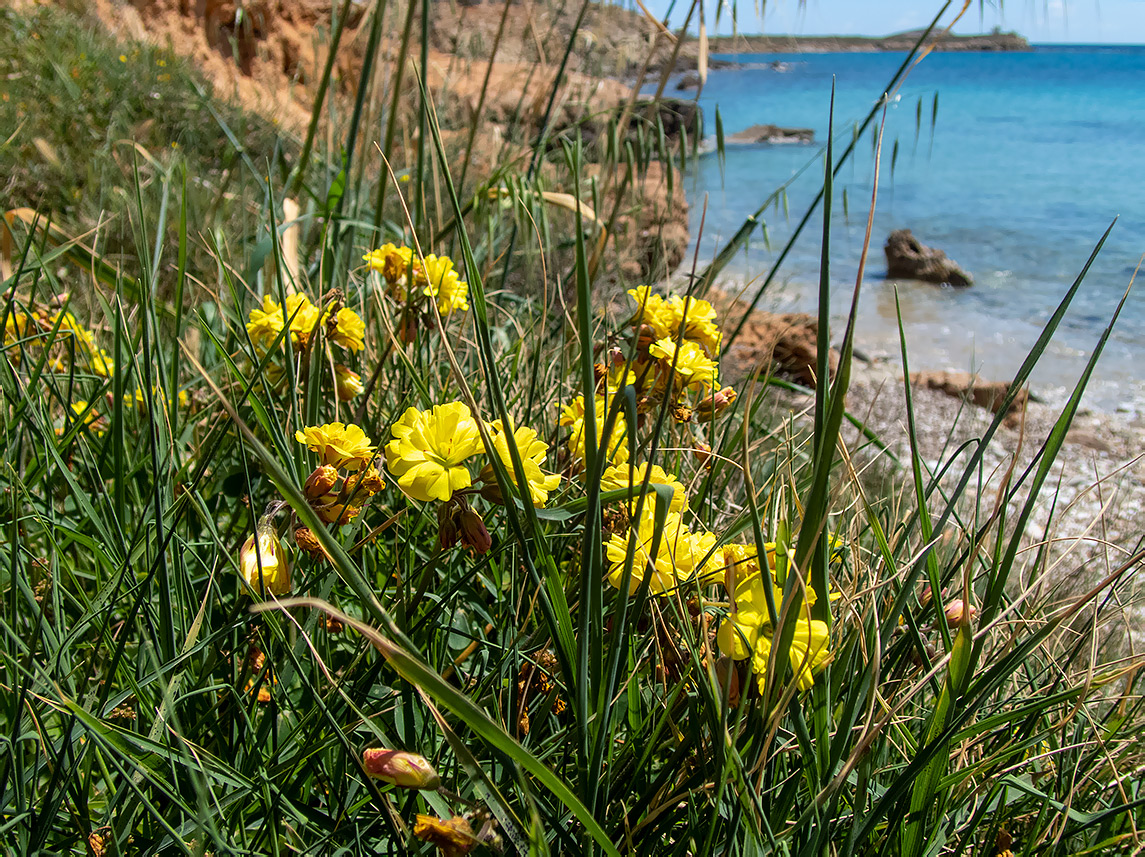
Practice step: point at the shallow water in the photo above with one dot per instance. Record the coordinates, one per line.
(1032, 156)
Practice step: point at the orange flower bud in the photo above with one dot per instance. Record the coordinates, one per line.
(321, 481)
(408, 770)
(712, 406)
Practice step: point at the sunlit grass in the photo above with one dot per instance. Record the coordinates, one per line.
(278, 497)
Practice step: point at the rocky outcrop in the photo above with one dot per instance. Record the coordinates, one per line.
(773, 134)
(910, 259)
(675, 114)
(971, 388)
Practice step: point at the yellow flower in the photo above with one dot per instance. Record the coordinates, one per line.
(264, 325)
(347, 383)
(808, 653)
(349, 330)
(428, 450)
(393, 263)
(303, 317)
(738, 633)
(618, 476)
(98, 359)
(692, 365)
(338, 445)
(15, 327)
(616, 446)
(262, 561)
(679, 556)
(444, 284)
(747, 631)
(698, 321)
(665, 317)
(650, 311)
(532, 451)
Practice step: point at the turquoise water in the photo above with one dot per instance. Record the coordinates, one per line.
(1032, 156)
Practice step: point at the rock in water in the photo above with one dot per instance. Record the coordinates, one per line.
(909, 258)
(773, 134)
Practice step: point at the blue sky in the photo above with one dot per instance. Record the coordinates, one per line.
(1039, 20)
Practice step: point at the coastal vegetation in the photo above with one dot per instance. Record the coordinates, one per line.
(371, 485)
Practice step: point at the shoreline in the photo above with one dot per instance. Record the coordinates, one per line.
(799, 44)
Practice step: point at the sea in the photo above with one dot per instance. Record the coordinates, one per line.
(1014, 164)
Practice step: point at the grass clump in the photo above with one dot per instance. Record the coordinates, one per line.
(361, 551)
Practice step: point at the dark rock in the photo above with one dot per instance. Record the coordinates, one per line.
(689, 80)
(910, 259)
(773, 134)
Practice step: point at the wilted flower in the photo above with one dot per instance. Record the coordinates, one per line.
(532, 451)
(347, 383)
(306, 540)
(393, 263)
(338, 445)
(702, 452)
(453, 837)
(263, 562)
(429, 448)
(408, 770)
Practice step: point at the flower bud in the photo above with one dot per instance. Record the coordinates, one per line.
(712, 406)
(263, 563)
(408, 770)
(347, 383)
(473, 531)
(448, 529)
(957, 613)
(728, 677)
(321, 481)
(702, 452)
(490, 490)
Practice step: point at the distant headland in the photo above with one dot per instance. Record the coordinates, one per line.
(778, 44)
